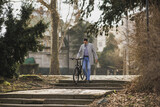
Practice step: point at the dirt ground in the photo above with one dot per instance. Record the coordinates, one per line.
(123, 99)
(28, 82)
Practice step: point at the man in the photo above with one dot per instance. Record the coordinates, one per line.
(88, 52)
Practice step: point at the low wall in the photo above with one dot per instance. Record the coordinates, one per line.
(29, 68)
(63, 71)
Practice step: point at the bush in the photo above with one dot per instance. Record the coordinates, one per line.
(146, 49)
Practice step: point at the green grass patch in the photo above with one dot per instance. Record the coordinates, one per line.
(6, 83)
(30, 77)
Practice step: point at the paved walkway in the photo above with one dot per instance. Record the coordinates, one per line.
(63, 92)
(103, 77)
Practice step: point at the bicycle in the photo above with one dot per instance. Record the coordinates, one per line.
(78, 70)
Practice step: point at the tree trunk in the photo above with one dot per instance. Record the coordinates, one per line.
(54, 66)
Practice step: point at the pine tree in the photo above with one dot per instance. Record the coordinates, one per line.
(19, 38)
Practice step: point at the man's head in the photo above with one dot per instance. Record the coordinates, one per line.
(85, 40)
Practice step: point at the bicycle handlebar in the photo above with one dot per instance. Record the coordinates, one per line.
(76, 58)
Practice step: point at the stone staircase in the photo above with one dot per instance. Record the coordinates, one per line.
(65, 94)
(94, 84)
(45, 101)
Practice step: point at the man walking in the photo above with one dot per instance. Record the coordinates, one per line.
(88, 52)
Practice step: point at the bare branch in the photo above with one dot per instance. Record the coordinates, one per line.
(60, 2)
(44, 4)
(66, 28)
(68, 12)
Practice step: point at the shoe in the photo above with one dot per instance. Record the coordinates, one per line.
(88, 81)
(85, 79)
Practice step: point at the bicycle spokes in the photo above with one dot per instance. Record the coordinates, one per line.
(76, 75)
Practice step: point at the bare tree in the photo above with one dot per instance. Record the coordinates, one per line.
(75, 14)
(52, 7)
(56, 43)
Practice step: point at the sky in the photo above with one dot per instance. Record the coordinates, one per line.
(64, 10)
(63, 13)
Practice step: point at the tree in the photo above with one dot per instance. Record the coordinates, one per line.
(110, 56)
(56, 43)
(112, 11)
(52, 7)
(18, 39)
(77, 33)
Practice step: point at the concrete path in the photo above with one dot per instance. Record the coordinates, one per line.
(62, 92)
(103, 77)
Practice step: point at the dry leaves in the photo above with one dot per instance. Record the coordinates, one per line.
(123, 99)
(28, 82)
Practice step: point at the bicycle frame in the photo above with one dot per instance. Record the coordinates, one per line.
(78, 66)
(77, 63)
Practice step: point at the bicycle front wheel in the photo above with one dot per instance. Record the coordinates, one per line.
(82, 75)
(76, 75)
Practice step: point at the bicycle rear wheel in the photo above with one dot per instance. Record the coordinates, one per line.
(76, 75)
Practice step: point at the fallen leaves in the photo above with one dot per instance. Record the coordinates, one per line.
(123, 99)
(29, 82)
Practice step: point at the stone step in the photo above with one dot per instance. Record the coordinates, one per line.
(95, 81)
(45, 101)
(91, 88)
(21, 101)
(89, 84)
(66, 96)
(56, 93)
(69, 101)
(52, 98)
(41, 105)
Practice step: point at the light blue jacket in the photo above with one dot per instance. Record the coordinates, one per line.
(91, 51)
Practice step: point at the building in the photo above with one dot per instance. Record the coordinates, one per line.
(43, 57)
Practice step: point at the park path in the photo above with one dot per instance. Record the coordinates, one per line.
(66, 93)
